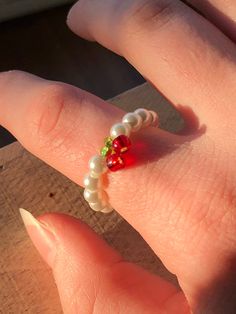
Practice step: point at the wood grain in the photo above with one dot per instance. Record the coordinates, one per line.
(26, 284)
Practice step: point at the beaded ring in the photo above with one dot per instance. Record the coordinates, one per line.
(111, 156)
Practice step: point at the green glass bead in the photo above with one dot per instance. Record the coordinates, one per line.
(104, 151)
(108, 142)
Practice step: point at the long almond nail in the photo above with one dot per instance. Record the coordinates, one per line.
(41, 235)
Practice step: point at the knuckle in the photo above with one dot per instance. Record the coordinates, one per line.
(8, 77)
(146, 14)
(49, 117)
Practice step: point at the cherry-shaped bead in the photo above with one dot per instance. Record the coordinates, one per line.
(115, 162)
(121, 144)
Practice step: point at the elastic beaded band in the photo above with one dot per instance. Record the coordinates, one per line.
(111, 156)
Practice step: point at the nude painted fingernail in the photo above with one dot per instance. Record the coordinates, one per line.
(41, 235)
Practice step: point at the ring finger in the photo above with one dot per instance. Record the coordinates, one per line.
(174, 47)
(222, 13)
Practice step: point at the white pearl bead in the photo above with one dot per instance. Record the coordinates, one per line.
(142, 113)
(120, 129)
(97, 166)
(98, 206)
(94, 174)
(145, 115)
(91, 196)
(148, 120)
(91, 183)
(134, 120)
(108, 209)
(155, 119)
(103, 196)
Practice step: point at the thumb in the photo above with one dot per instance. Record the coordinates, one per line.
(92, 277)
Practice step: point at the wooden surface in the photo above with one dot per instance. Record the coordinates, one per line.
(43, 44)
(26, 284)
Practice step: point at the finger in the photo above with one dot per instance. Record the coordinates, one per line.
(168, 200)
(222, 13)
(91, 277)
(170, 44)
(59, 123)
(55, 121)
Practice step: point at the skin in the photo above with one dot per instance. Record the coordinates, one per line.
(185, 205)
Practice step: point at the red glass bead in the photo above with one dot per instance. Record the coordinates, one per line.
(121, 144)
(115, 162)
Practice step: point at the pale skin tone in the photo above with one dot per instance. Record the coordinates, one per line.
(185, 205)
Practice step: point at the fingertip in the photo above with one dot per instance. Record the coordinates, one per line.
(41, 235)
(55, 234)
(71, 17)
(76, 237)
(75, 22)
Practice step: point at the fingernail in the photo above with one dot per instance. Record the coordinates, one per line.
(41, 235)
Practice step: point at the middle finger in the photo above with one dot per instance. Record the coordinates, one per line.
(179, 51)
(222, 13)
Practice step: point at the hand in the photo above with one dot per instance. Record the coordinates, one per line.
(183, 200)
